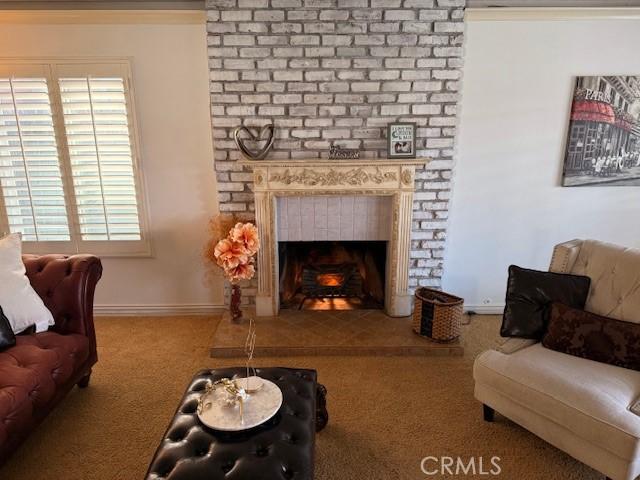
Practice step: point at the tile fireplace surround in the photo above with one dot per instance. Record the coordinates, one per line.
(363, 179)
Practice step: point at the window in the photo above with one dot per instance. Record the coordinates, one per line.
(30, 178)
(68, 166)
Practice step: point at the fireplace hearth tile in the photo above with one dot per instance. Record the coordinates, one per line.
(353, 332)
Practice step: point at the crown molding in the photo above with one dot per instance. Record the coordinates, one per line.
(550, 14)
(96, 17)
(102, 5)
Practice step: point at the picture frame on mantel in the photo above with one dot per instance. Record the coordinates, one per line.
(401, 140)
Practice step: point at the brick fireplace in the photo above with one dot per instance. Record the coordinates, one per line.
(383, 189)
(337, 72)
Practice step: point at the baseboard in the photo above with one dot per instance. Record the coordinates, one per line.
(209, 308)
(485, 309)
(160, 310)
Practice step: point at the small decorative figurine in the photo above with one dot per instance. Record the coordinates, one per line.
(339, 153)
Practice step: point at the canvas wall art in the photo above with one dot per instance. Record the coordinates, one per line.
(603, 144)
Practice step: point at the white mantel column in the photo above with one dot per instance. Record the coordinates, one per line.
(267, 303)
(398, 301)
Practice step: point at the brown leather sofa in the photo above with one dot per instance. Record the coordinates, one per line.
(41, 368)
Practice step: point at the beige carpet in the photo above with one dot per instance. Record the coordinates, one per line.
(387, 413)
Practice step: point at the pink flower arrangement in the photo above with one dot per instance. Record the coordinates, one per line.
(236, 253)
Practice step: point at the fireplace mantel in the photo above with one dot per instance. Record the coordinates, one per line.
(326, 162)
(334, 174)
(382, 177)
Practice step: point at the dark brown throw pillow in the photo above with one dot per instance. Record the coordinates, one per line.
(587, 335)
(529, 297)
(7, 338)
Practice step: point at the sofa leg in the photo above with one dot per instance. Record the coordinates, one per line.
(488, 413)
(84, 381)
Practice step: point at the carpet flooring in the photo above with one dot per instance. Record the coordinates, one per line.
(387, 413)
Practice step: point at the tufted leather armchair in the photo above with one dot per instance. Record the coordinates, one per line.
(41, 368)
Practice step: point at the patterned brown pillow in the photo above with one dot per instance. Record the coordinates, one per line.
(592, 336)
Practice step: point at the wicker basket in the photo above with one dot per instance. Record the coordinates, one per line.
(437, 315)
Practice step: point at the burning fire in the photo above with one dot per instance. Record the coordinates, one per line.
(330, 279)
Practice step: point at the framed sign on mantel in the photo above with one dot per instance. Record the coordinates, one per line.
(401, 140)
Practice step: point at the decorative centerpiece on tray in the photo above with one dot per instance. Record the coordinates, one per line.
(241, 403)
(233, 246)
(227, 406)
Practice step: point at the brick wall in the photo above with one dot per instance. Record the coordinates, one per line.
(338, 71)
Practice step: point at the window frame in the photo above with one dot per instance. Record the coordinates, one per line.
(59, 67)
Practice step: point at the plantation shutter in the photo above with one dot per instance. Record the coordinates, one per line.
(69, 178)
(30, 178)
(100, 153)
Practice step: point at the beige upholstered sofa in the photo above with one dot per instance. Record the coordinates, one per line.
(588, 409)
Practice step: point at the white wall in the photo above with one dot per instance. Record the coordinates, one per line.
(170, 76)
(508, 206)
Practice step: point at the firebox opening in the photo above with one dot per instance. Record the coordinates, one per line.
(332, 275)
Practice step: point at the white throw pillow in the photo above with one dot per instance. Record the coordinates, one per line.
(20, 302)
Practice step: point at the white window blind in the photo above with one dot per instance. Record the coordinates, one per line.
(29, 168)
(68, 168)
(97, 131)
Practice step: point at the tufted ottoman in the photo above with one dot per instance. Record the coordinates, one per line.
(282, 448)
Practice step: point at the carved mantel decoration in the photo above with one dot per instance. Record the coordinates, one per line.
(332, 177)
(392, 178)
